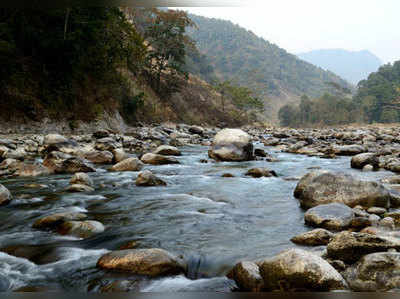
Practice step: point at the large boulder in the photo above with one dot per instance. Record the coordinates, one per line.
(152, 262)
(130, 164)
(5, 195)
(333, 216)
(167, 150)
(350, 247)
(156, 159)
(247, 276)
(361, 160)
(81, 178)
(259, 172)
(375, 272)
(51, 139)
(231, 145)
(323, 187)
(99, 157)
(55, 220)
(348, 150)
(58, 162)
(316, 237)
(147, 179)
(297, 269)
(81, 229)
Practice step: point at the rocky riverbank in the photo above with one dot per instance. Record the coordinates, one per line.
(352, 222)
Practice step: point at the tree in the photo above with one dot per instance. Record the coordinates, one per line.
(288, 116)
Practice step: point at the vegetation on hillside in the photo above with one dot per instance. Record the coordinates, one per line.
(377, 100)
(239, 55)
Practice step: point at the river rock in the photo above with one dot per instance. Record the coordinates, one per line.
(315, 237)
(130, 164)
(99, 157)
(54, 139)
(81, 229)
(323, 187)
(120, 155)
(376, 210)
(348, 150)
(5, 196)
(260, 172)
(167, 150)
(152, 262)
(375, 272)
(147, 178)
(395, 215)
(231, 145)
(297, 269)
(388, 223)
(361, 160)
(58, 162)
(54, 220)
(334, 216)
(156, 159)
(196, 130)
(30, 169)
(82, 179)
(392, 180)
(247, 276)
(101, 134)
(350, 247)
(79, 188)
(107, 144)
(259, 152)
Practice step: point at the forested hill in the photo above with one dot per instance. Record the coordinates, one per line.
(239, 55)
(354, 66)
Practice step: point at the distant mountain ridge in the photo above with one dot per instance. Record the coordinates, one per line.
(279, 77)
(353, 66)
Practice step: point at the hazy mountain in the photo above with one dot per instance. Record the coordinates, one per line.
(239, 54)
(353, 66)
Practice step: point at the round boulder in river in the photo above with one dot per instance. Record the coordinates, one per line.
(247, 276)
(5, 195)
(167, 150)
(296, 269)
(334, 216)
(156, 159)
(316, 237)
(375, 272)
(231, 145)
(130, 164)
(323, 187)
(151, 262)
(147, 179)
(361, 160)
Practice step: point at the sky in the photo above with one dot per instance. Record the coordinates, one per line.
(305, 25)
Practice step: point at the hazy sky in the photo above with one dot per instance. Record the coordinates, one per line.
(303, 25)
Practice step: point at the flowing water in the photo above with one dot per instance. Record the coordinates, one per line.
(212, 221)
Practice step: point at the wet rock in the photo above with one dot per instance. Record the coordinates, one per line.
(5, 196)
(58, 162)
(315, 237)
(81, 178)
(334, 216)
(54, 139)
(360, 222)
(227, 175)
(247, 276)
(54, 220)
(130, 164)
(296, 269)
(370, 230)
(101, 134)
(81, 229)
(271, 141)
(147, 178)
(99, 157)
(196, 130)
(167, 150)
(79, 188)
(376, 210)
(231, 145)
(395, 215)
(31, 170)
(375, 272)
(107, 144)
(260, 172)
(260, 152)
(361, 160)
(350, 247)
(348, 150)
(388, 223)
(322, 187)
(374, 219)
(120, 155)
(155, 159)
(151, 262)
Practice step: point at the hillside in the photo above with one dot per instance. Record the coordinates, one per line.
(353, 66)
(239, 55)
